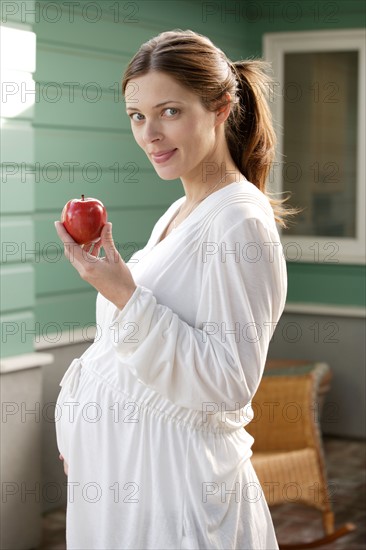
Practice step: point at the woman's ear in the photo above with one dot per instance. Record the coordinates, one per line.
(223, 111)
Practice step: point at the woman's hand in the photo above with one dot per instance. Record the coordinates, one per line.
(66, 467)
(109, 275)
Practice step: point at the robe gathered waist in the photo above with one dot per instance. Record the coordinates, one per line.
(212, 419)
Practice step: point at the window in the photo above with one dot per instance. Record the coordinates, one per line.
(318, 108)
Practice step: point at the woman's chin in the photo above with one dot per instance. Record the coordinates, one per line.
(165, 175)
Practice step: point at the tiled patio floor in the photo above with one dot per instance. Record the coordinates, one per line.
(346, 465)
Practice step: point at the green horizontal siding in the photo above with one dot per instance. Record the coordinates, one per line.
(54, 312)
(121, 189)
(62, 147)
(126, 28)
(17, 335)
(88, 106)
(104, 35)
(60, 63)
(17, 287)
(57, 267)
(17, 143)
(17, 240)
(336, 284)
(17, 192)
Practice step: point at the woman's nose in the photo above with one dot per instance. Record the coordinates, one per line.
(151, 132)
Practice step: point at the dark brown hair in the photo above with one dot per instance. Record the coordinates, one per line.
(196, 63)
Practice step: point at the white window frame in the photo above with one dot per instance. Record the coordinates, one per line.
(275, 46)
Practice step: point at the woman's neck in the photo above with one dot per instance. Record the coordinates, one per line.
(197, 190)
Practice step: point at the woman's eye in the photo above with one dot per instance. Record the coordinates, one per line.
(172, 109)
(175, 111)
(133, 114)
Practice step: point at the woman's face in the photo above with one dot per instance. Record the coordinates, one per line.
(181, 125)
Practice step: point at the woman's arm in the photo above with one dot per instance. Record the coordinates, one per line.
(221, 359)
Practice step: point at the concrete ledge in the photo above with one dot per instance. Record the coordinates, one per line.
(25, 361)
(325, 309)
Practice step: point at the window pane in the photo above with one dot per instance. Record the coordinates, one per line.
(320, 130)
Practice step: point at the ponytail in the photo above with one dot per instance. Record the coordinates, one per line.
(250, 134)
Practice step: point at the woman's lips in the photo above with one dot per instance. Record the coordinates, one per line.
(164, 157)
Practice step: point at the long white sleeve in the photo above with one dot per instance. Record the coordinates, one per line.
(220, 359)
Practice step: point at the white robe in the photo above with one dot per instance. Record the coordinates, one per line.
(151, 418)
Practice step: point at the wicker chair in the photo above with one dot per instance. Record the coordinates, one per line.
(288, 453)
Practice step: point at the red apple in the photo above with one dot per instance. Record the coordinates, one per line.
(84, 219)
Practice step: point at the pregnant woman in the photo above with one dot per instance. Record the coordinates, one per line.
(152, 430)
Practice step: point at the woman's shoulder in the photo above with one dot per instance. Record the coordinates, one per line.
(239, 202)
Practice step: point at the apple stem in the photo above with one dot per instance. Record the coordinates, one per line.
(82, 197)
